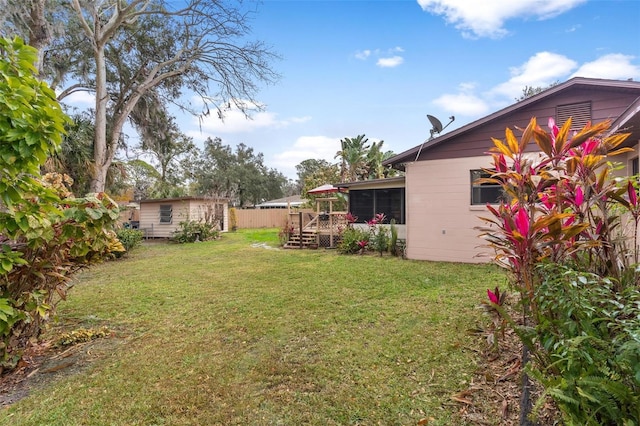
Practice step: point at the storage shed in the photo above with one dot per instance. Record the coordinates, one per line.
(160, 218)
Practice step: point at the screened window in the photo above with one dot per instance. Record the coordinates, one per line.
(366, 203)
(166, 213)
(483, 193)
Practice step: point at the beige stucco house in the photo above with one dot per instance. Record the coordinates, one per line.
(160, 218)
(442, 203)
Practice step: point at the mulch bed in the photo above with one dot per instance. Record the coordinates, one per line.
(494, 396)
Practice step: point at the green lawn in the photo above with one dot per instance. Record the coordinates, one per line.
(225, 332)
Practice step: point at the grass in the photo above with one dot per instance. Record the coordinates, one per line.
(226, 332)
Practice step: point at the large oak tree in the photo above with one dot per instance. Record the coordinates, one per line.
(123, 50)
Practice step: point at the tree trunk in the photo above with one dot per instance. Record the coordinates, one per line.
(101, 159)
(39, 31)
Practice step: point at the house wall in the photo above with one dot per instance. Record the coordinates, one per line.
(440, 217)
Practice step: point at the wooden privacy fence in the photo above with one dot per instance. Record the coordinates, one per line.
(262, 218)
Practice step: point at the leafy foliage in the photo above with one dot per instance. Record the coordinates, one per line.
(351, 240)
(591, 333)
(45, 233)
(82, 335)
(239, 174)
(130, 238)
(192, 231)
(233, 219)
(356, 239)
(564, 237)
(123, 50)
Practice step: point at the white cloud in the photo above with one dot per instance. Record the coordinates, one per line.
(573, 28)
(542, 69)
(466, 104)
(615, 66)
(80, 99)
(363, 54)
(487, 18)
(386, 58)
(304, 148)
(391, 62)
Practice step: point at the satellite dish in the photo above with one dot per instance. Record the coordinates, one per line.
(437, 125)
(436, 129)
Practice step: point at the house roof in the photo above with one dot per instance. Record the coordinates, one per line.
(176, 199)
(293, 200)
(398, 179)
(627, 122)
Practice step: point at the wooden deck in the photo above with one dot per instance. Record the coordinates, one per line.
(313, 230)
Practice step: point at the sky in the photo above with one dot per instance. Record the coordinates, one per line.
(379, 67)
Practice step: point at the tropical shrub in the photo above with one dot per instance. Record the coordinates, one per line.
(130, 238)
(46, 234)
(564, 235)
(353, 240)
(393, 239)
(357, 240)
(191, 231)
(379, 234)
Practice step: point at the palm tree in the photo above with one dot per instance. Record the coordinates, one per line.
(353, 155)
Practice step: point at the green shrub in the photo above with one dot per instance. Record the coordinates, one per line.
(591, 333)
(233, 219)
(351, 240)
(191, 231)
(130, 238)
(393, 241)
(380, 239)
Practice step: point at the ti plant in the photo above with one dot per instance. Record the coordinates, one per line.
(564, 205)
(566, 208)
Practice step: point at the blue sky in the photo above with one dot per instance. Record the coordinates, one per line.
(379, 67)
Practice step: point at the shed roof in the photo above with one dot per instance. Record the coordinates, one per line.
(176, 199)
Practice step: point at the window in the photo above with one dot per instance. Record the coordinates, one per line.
(366, 203)
(635, 167)
(166, 213)
(483, 193)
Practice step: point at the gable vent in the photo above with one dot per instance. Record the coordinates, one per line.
(580, 115)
